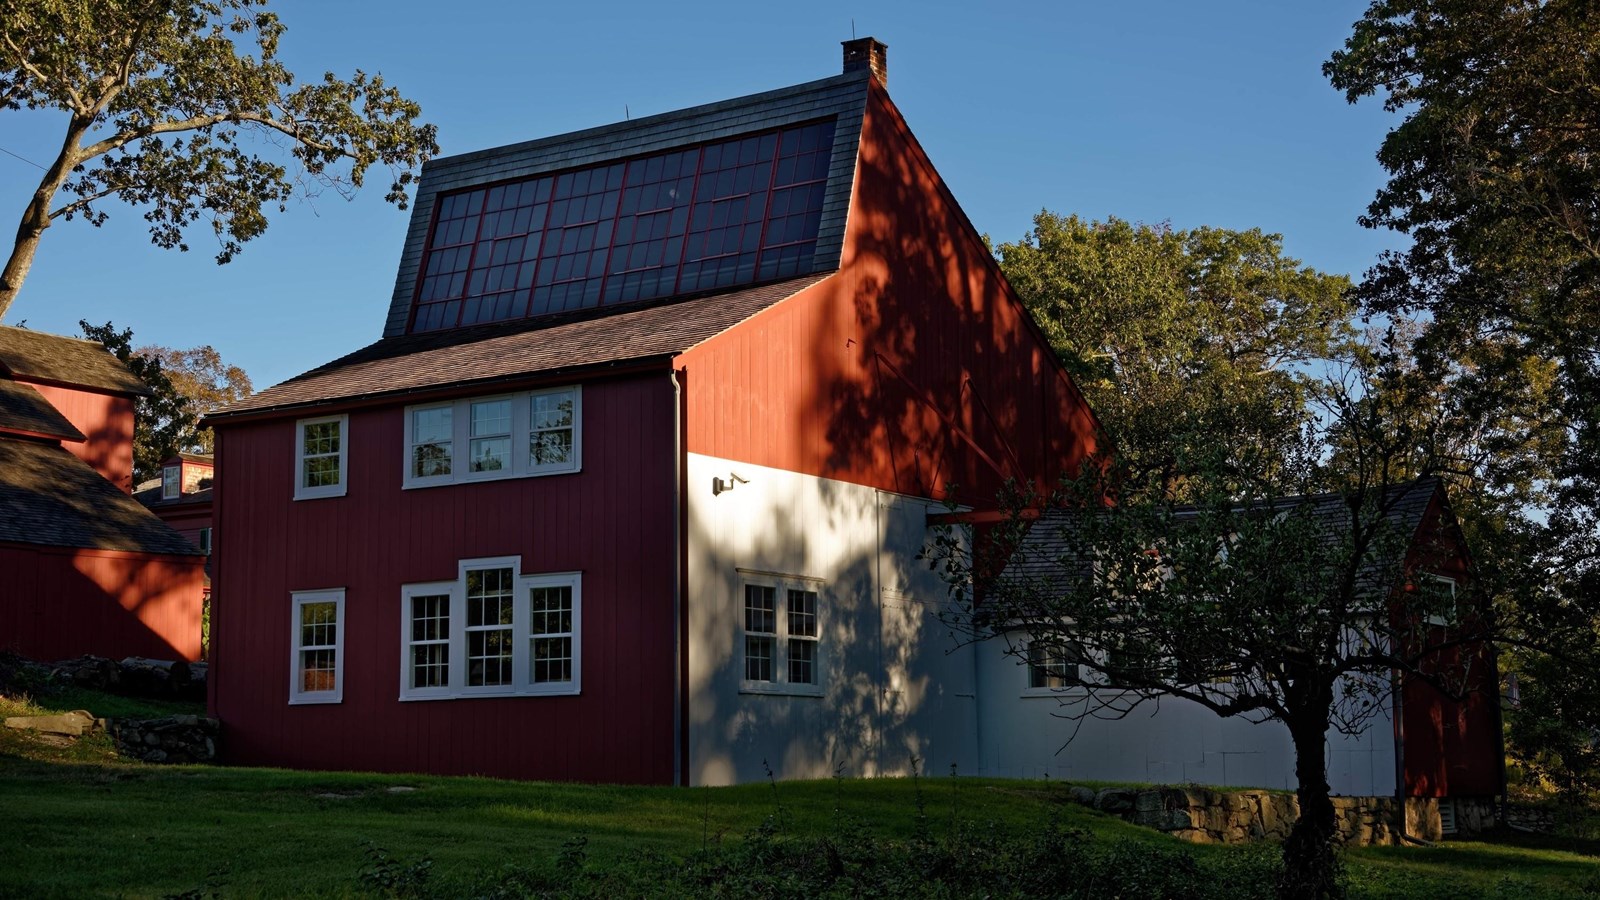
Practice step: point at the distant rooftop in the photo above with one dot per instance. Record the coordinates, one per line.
(35, 356)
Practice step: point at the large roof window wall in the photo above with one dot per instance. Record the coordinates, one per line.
(691, 220)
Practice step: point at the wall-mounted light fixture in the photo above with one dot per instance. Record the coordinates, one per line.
(719, 485)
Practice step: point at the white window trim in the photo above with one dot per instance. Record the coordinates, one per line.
(521, 433)
(301, 492)
(781, 585)
(521, 637)
(174, 490)
(299, 599)
(1441, 620)
(205, 538)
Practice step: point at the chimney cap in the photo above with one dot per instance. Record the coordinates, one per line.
(867, 53)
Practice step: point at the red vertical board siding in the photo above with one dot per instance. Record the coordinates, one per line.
(107, 421)
(1451, 747)
(612, 521)
(61, 602)
(912, 369)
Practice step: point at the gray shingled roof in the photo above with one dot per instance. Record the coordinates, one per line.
(35, 356)
(1039, 556)
(483, 353)
(50, 497)
(841, 97)
(25, 410)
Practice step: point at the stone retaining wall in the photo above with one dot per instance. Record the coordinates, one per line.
(1205, 816)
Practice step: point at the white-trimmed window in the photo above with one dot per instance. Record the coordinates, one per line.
(320, 454)
(491, 632)
(171, 482)
(317, 666)
(205, 541)
(484, 438)
(782, 635)
(1440, 597)
(1053, 666)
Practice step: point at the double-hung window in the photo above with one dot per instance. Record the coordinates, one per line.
(1053, 665)
(491, 632)
(782, 635)
(316, 669)
(319, 459)
(484, 438)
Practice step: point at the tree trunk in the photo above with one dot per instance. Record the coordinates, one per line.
(1310, 867)
(36, 217)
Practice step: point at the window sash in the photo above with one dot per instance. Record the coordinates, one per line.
(322, 449)
(782, 635)
(316, 671)
(494, 437)
(517, 646)
(171, 482)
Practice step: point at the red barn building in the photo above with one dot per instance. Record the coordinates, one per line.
(633, 485)
(86, 568)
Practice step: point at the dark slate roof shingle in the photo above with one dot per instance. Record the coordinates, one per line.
(35, 356)
(50, 497)
(396, 365)
(25, 410)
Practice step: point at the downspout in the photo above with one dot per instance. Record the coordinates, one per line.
(677, 578)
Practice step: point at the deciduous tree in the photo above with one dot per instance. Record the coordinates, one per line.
(182, 108)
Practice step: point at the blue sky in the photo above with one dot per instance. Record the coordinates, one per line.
(1211, 113)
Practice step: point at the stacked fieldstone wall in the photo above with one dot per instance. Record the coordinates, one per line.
(1205, 816)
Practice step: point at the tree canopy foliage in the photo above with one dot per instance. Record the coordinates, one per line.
(1182, 341)
(183, 109)
(1492, 174)
(187, 385)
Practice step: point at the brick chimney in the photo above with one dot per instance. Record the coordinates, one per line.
(867, 53)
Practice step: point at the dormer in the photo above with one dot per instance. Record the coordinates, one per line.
(185, 473)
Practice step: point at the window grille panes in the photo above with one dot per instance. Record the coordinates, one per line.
(489, 616)
(1053, 665)
(491, 436)
(550, 630)
(687, 220)
(430, 641)
(319, 633)
(431, 433)
(802, 613)
(761, 626)
(550, 443)
(320, 454)
(802, 661)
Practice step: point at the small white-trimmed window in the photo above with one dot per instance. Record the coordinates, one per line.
(205, 541)
(492, 632)
(321, 449)
(171, 482)
(782, 635)
(1439, 597)
(317, 667)
(1053, 666)
(486, 438)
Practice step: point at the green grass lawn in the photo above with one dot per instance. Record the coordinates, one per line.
(80, 823)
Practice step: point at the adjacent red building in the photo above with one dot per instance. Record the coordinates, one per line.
(86, 568)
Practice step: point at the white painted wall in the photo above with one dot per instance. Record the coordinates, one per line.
(890, 689)
(1028, 735)
(895, 684)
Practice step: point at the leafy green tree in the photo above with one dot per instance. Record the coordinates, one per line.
(201, 377)
(164, 98)
(1182, 340)
(1492, 174)
(1249, 600)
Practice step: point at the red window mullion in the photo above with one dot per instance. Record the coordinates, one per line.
(616, 220)
(688, 225)
(766, 213)
(472, 257)
(544, 235)
(422, 271)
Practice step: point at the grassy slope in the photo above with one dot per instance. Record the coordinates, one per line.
(79, 823)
